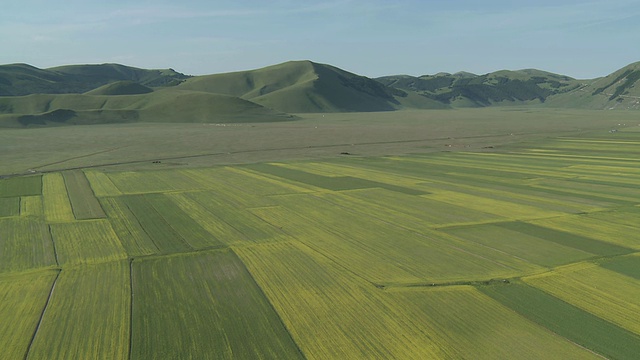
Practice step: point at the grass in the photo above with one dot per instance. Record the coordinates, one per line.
(87, 316)
(204, 305)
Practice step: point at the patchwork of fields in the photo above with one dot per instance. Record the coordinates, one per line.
(528, 253)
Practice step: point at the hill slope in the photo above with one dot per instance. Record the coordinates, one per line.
(23, 79)
(124, 87)
(167, 105)
(619, 90)
(304, 86)
(497, 88)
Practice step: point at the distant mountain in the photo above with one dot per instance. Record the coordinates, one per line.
(619, 90)
(90, 94)
(23, 79)
(498, 88)
(305, 86)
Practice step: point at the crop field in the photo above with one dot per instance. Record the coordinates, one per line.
(22, 298)
(87, 315)
(85, 205)
(530, 250)
(203, 305)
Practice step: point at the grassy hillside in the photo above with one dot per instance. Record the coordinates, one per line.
(167, 105)
(125, 87)
(504, 87)
(304, 86)
(23, 79)
(619, 90)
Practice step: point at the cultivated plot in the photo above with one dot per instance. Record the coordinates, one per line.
(203, 305)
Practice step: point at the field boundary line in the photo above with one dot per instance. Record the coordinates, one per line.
(55, 250)
(130, 308)
(44, 310)
(142, 227)
(269, 302)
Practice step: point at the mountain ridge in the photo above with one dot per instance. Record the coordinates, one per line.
(98, 93)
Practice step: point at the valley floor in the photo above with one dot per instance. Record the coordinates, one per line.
(504, 234)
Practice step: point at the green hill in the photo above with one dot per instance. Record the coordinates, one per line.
(166, 105)
(124, 87)
(504, 87)
(619, 90)
(23, 79)
(304, 86)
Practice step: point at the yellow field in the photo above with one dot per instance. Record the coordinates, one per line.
(604, 293)
(330, 313)
(31, 206)
(86, 242)
(101, 184)
(57, 207)
(334, 315)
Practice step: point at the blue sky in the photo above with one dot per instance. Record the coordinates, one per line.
(583, 39)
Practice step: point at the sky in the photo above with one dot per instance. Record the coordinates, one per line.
(582, 39)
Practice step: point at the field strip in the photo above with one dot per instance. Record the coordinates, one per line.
(21, 186)
(414, 225)
(87, 316)
(23, 299)
(74, 246)
(102, 184)
(25, 244)
(332, 314)
(127, 227)
(566, 320)
(625, 265)
(84, 203)
(57, 207)
(604, 293)
(222, 314)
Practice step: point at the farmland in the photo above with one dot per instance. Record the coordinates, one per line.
(418, 250)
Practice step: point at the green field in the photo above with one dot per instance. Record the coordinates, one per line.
(497, 247)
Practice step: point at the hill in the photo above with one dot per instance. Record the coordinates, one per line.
(503, 87)
(619, 90)
(305, 86)
(23, 79)
(124, 87)
(166, 105)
